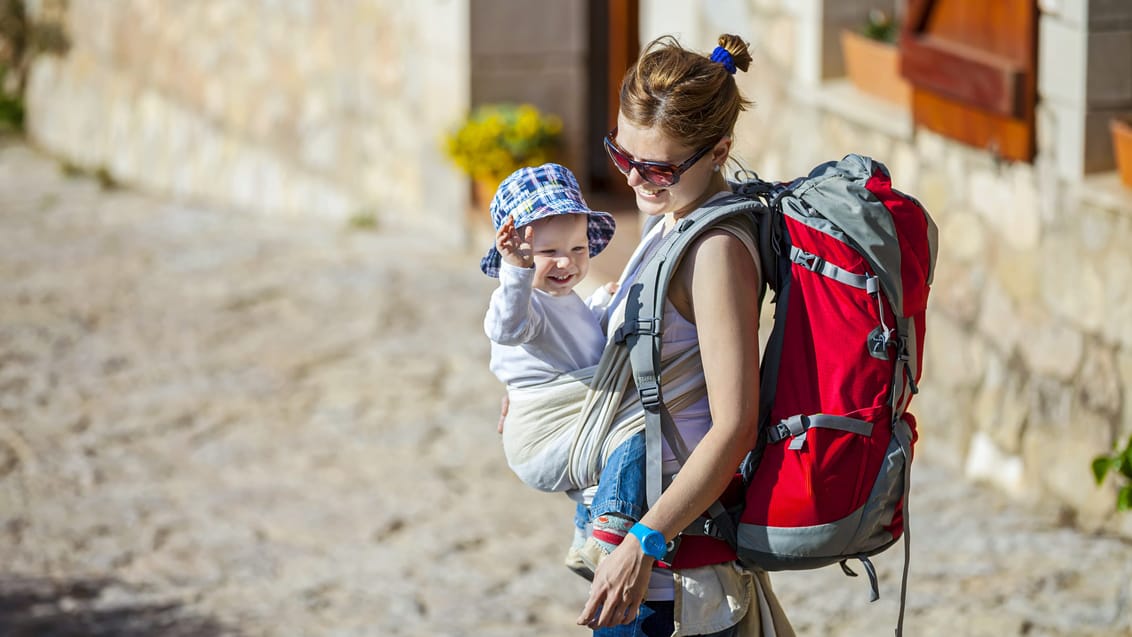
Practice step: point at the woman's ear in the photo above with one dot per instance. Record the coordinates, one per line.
(721, 151)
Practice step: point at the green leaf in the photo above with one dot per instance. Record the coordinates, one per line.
(1101, 465)
(1124, 498)
(1125, 463)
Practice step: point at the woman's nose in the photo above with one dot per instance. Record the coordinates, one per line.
(634, 178)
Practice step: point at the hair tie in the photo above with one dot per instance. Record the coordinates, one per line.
(723, 56)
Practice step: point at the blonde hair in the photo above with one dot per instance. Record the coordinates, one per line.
(693, 99)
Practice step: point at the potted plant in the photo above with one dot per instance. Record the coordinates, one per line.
(1121, 129)
(872, 59)
(497, 139)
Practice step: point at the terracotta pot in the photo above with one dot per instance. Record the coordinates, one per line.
(482, 192)
(874, 68)
(1122, 148)
(481, 230)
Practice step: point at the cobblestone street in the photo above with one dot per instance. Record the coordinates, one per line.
(213, 423)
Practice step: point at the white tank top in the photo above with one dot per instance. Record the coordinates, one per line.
(679, 336)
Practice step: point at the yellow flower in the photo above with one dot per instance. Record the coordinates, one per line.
(497, 139)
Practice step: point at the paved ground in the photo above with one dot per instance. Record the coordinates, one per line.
(217, 424)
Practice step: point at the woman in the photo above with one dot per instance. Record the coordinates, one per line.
(674, 132)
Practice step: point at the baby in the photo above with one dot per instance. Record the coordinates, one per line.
(542, 334)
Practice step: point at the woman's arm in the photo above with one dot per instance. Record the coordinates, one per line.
(720, 280)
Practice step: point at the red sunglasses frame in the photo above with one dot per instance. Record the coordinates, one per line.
(651, 171)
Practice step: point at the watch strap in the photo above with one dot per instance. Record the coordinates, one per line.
(648, 540)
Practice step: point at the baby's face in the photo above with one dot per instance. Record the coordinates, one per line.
(561, 252)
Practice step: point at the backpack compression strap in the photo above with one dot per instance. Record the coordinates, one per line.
(642, 329)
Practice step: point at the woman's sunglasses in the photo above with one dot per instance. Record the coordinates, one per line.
(657, 173)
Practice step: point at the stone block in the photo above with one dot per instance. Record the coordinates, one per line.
(986, 462)
(944, 421)
(1124, 369)
(905, 166)
(1001, 405)
(1098, 384)
(933, 146)
(1109, 64)
(1019, 273)
(1117, 321)
(956, 292)
(1008, 204)
(962, 236)
(1097, 229)
(953, 357)
(998, 319)
(934, 192)
(1051, 347)
(1073, 284)
(1064, 452)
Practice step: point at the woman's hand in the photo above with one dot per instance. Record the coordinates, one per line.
(619, 586)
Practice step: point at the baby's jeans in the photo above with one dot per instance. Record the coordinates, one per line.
(621, 487)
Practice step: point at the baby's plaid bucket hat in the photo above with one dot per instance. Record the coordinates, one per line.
(541, 191)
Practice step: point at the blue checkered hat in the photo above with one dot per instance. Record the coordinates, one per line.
(542, 191)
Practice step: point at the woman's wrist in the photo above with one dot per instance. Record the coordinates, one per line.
(652, 542)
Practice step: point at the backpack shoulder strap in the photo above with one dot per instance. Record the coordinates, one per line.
(641, 331)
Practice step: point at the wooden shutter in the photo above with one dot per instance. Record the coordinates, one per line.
(972, 65)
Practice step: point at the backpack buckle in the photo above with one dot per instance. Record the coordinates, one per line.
(778, 432)
(650, 396)
(787, 428)
(811, 262)
(650, 326)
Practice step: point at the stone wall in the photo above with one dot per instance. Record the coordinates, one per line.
(1029, 350)
(291, 107)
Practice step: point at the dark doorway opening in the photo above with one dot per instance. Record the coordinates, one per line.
(614, 43)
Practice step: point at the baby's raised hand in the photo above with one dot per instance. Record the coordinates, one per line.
(515, 249)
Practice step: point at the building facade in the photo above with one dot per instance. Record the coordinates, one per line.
(297, 107)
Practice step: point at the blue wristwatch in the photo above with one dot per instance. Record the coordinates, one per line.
(652, 542)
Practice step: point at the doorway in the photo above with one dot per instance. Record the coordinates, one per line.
(614, 43)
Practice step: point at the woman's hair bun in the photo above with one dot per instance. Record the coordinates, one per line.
(735, 45)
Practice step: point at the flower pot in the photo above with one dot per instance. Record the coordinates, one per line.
(1122, 149)
(874, 68)
(483, 190)
(481, 230)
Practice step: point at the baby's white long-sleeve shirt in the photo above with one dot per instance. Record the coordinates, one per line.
(536, 337)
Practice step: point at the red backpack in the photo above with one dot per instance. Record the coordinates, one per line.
(850, 261)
